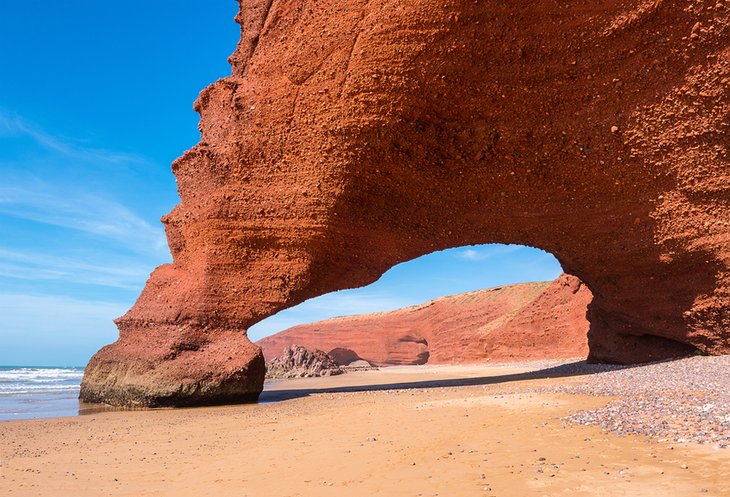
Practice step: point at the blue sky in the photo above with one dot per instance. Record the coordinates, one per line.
(95, 103)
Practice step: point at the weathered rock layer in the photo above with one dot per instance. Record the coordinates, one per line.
(516, 322)
(296, 361)
(354, 135)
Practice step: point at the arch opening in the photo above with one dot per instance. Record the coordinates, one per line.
(466, 304)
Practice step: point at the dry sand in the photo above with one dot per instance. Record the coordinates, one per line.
(447, 431)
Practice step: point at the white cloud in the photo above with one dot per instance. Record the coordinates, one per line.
(348, 303)
(124, 273)
(13, 125)
(344, 303)
(39, 314)
(65, 203)
(118, 247)
(272, 325)
(52, 329)
(99, 216)
(471, 254)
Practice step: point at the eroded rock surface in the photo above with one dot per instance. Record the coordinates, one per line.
(354, 135)
(296, 361)
(516, 322)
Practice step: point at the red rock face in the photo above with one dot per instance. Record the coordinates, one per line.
(354, 135)
(516, 322)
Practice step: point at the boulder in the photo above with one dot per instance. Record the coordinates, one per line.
(296, 361)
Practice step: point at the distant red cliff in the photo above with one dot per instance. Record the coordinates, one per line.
(516, 322)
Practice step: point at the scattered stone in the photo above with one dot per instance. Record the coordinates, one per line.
(359, 365)
(695, 33)
(685, 400)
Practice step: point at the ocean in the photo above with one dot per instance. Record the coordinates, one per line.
(39, 392)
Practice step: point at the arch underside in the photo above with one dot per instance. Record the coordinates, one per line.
(352, 136)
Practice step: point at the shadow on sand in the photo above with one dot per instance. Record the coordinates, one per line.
(578, 368)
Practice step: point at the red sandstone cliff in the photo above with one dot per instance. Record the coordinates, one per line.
(516, 322)
(354, 135)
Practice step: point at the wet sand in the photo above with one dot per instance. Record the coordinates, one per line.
(447, 431)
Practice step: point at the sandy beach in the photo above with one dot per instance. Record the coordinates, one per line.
(405, 431)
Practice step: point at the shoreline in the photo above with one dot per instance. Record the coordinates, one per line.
(361, 436)
(50, 404)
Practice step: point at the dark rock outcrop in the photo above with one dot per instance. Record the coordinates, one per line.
(354, 135)
(296, 361)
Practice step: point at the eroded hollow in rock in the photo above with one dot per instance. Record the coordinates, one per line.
(354, 136)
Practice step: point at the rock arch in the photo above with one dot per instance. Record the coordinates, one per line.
(352, 136)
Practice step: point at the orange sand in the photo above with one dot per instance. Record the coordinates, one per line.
(487, 439)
